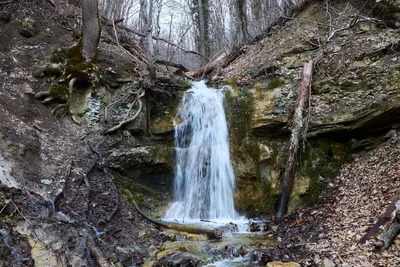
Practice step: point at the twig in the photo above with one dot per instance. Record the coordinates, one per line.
(19, 211)
(97, 254)
(4, 207)
(115, 33)
(61, 192)
(110, 179)
(163, 40)
(352, 24)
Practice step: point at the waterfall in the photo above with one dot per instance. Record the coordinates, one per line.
(204, 179)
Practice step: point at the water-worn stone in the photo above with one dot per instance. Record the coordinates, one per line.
(327, 263)
(27, 27)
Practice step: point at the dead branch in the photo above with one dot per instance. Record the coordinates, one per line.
(110, 180)
(383, 220)
(6, 2)
(116, 206)
(97, 253)
(61, 191)
(115, 33)
(351, 25)
(391, 232)
(126, 121)
(172, 64)
(163, 40)
(298, 128)
(42, 95)
(124, 80)
(159, 223)
(211, 233)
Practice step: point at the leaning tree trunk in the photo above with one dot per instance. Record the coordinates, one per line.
(298, 128)
(391, 232)
(90, 29)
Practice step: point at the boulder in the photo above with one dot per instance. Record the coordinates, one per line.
(27, 27)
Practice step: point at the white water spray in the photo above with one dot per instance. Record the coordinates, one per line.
(204, 179)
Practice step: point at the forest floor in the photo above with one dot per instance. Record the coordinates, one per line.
(45, 155)
(348, 208)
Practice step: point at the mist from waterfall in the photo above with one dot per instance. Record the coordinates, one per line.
(204, 178)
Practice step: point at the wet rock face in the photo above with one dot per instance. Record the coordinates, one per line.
(355, 101)
(151, 166)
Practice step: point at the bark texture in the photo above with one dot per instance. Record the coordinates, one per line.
(90, 29)
(298, 128)
(391, 231)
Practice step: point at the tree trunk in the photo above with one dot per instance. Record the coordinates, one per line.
(202, 40)
(90, 29)
(298, 127)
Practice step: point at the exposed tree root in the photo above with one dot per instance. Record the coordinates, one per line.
(156, 222)
(128, 120)
(42, 95)
(110, 180)
(61, 191)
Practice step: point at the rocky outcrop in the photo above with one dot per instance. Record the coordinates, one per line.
(151, 166)
(354, 100)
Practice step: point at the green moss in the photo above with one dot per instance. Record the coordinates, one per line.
(275, 83)
(232, 82)
(213, 84)
(59, 55)
(58, 90)
(184, 84)
(323, 158)
(76, 67)
(239, 111)
(255, 198)
(148, 200)
(252, 195)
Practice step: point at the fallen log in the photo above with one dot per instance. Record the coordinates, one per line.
(171, 64)
(207, 68)
(383, 220)
(211, 233)
(297, 130)
(97, 254)
(391, 232)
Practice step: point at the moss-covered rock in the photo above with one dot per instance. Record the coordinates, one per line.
(319, 161)
(253, 195)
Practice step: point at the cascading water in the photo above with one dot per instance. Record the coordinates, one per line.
(204, 179)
